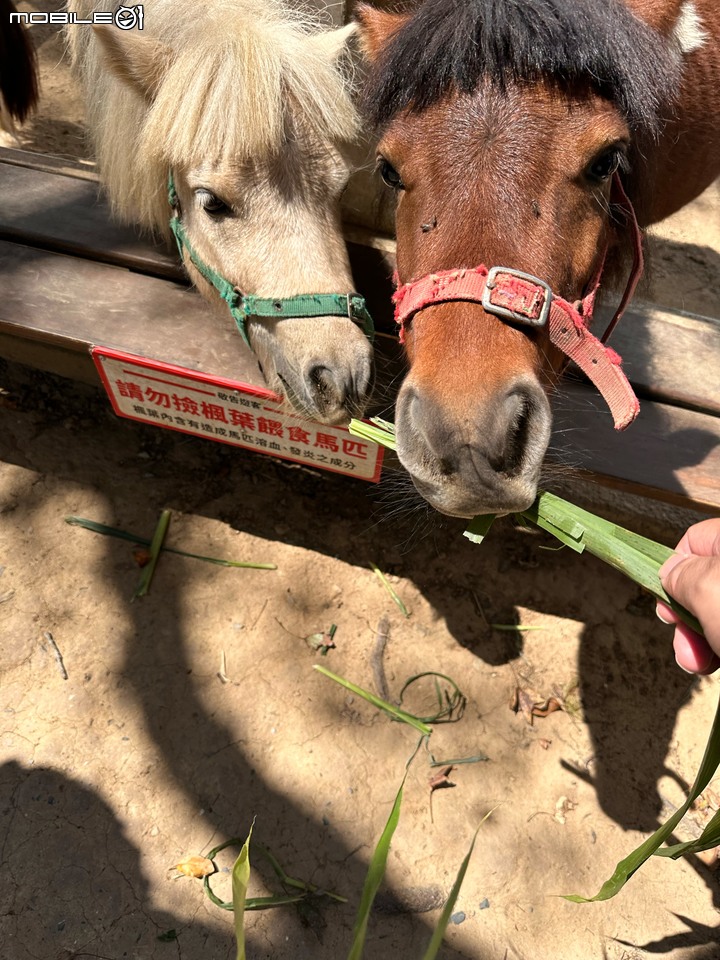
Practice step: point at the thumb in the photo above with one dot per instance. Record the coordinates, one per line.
(683, 575)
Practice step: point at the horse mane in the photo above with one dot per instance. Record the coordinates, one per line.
(455, 44)
(18, 67)
(237, 69)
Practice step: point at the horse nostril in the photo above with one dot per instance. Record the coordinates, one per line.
(507, 450)
(519, 433)
(323, 385)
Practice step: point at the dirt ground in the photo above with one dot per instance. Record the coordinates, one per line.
(182, 717)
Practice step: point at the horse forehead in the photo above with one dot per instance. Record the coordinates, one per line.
(530, 127)
(297, 161)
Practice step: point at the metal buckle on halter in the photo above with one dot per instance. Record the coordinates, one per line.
(513, 315)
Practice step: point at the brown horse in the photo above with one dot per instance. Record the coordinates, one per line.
(511, 131)
(18, 70)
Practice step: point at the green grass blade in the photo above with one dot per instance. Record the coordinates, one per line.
(388, 586)
(631, 554)
(375, 874)
(276, 900)
(439, 932)
(289, 881)
(709, 838)
(627, 867)
(451, 704)
(515, 627)
(379, 431)
(394, 712)
(240, 882)
(155, 547)
(479, 527)
(554, 510)
(650, 548)
(534, 515)
(106, 531)
(456, 761)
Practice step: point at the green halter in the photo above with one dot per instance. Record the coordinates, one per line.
(242, 306)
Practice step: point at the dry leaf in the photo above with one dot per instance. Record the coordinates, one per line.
(441, 778)
(527, 702)
(523, 702)
(547, 706)
(322, 642)
(439, 781)
(197, 867)
(563, 805)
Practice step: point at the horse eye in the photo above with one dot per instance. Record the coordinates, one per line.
(211, 204)
(605, 165)
(390, 175)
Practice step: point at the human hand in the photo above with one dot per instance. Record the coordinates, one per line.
(692, 577)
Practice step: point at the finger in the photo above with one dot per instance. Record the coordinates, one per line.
(692, 652)
(702, 539)
(666, 613)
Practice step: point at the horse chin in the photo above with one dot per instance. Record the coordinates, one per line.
(329, 381)
(455, 502)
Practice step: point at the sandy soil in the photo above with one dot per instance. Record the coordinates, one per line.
(189, 713)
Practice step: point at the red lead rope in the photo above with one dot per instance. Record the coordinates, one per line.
(524, 299)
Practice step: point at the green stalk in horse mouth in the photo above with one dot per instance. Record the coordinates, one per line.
(635, 556)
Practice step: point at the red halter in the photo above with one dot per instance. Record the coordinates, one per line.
(524, 299)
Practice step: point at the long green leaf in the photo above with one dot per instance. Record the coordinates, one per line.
(106, 531)
(479, 527)
(451, 705)
(652, 550)
(276, 900)
(709, 838)
(394, 712)
(375, 874)
(633, 555)
(289, 881)
(379, 431)
(627, 867)
(389, 587)
(439, 932)
(240, 882)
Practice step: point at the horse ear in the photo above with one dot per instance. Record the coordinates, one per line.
(377, 28)
(334, 43)
(138, 61)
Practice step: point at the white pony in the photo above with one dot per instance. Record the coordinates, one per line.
(248, 104)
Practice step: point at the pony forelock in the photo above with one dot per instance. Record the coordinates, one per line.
(455, 44)
(239, 70)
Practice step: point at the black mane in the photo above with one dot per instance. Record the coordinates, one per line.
(454, 44)
(18, 65)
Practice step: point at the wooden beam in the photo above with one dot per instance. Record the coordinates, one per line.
(81, 280)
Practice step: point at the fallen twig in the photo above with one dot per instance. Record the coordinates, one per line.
(56, 652)
(376, 658)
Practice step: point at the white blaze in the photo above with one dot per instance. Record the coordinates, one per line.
(688, 31)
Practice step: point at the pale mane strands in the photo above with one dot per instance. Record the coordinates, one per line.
(236, 68)
(454, 44)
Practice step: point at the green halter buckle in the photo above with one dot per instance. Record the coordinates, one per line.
(243, 306)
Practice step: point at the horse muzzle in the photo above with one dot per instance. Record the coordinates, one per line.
(486, 463)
